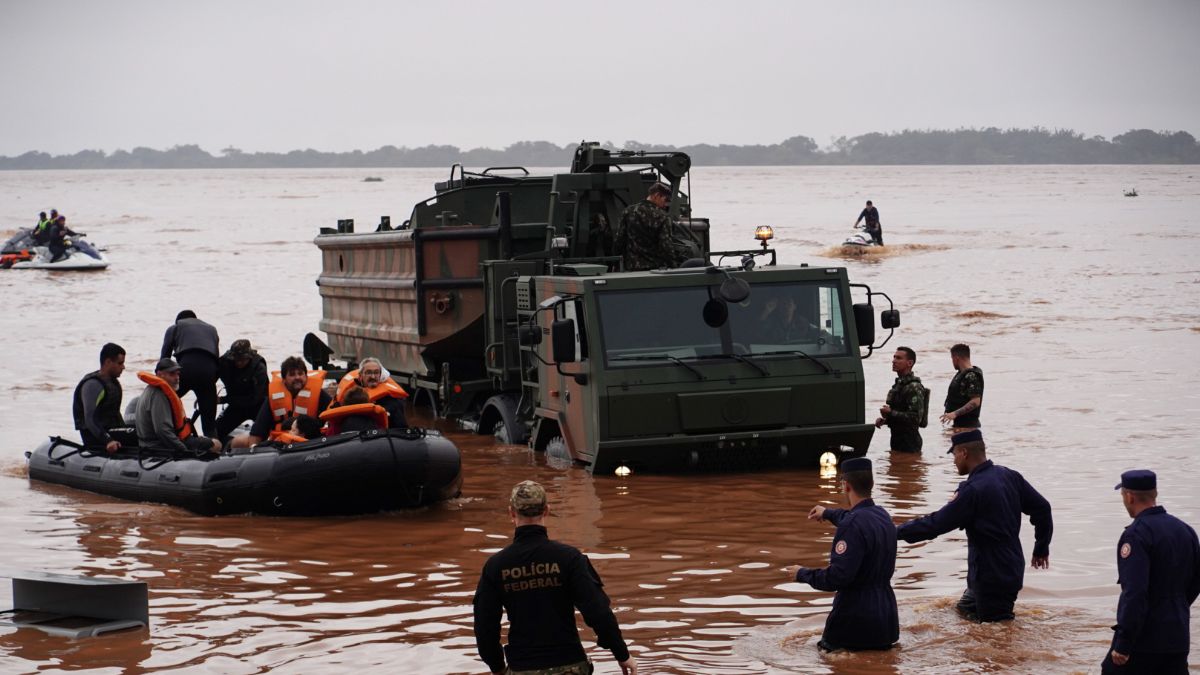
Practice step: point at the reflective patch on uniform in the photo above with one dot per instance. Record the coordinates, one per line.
(840, 547)
(279, 412)
(1126, 549)
(278, 394)
(304, 394)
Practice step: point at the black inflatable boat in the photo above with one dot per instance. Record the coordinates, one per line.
(345, 474)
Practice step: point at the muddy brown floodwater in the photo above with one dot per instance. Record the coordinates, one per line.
(1082, 307)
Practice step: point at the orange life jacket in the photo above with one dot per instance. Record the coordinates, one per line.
(334, 416)
(305, 403)
(183, 426)
(384, 389)
(285, 437)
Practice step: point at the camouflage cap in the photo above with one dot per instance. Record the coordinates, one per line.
(241, 349)
(528, 499)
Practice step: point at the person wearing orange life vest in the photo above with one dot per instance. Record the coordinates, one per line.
(303, 428)
(292, 391)
(161, 423)
(356, 413)
(382, 391)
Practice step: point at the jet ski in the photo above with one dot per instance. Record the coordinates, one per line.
(20, 252)
(860, 238)
(21, 241)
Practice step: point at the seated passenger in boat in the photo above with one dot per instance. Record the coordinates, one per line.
(381, 390)
(96, 405)
(356, 413)
(293, 390)
(299, 429)
(161, 423)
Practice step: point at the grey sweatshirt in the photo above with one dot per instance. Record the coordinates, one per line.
(155, 424)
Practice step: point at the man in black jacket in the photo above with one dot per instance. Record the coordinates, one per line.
(196, 347)
(244, 373)
(540, 582)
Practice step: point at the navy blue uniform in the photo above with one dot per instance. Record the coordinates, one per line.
(988, 505)
(1158, 564)
(861, 562)
(540, 582)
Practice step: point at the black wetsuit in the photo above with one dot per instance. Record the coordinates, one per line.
(96, 407)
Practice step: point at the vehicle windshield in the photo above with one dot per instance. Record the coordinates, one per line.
(668, 323)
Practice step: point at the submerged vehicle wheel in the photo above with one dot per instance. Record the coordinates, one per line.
(556, 448)
(501, 434)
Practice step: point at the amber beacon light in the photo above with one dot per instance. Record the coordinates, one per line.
(764, 233)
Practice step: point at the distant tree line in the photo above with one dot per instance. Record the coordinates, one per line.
(961, 146)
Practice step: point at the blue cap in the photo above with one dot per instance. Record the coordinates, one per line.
(856, 464)
(964, 437)
(1138, 479)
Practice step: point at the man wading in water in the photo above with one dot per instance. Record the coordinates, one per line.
(540, 582)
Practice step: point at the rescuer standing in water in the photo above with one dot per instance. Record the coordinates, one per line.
(988, 505)
(1158, 565)
(861, 563)
(540, 582)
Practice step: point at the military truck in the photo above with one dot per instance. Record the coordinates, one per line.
(501, 304)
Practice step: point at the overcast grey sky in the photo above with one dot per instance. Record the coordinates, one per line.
(282, 75)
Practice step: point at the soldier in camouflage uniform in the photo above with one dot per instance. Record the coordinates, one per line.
(905, 404)
(965, 396)
(644, 237)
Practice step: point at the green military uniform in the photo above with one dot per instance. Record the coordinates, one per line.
(581, 668)
(907, 401)
(644, 238)
(966, 385)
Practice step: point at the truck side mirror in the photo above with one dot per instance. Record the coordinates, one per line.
(562, 332)
(715, 313)
(864, 319)
(890, 318)
(529, 335)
